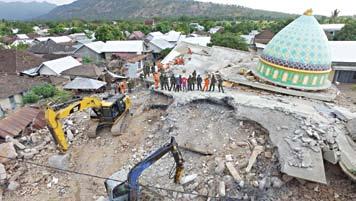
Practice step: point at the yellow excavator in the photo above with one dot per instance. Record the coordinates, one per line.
(110, 111)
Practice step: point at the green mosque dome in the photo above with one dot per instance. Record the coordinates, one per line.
(298, 56)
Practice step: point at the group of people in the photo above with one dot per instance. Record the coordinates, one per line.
(190, 83)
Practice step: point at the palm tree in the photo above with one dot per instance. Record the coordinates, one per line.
(334, 14)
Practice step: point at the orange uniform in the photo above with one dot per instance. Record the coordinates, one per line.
(206, 84)
(156, 80)
(123, 87)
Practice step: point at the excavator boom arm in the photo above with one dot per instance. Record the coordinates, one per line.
(53, 118)
(135, 172)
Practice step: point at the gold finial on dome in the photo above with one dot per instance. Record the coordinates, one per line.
(308, 12)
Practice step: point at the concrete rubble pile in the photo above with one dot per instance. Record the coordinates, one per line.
(37, 147)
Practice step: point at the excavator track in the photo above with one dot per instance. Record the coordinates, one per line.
(92, 130)
(121, 124)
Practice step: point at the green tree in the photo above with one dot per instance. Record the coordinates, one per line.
(348, 32)
(229, 40)
(334, 15)
(107, 32)
(30, 97)
(59, 28)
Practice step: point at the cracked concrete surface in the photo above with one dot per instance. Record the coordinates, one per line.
(296, 128)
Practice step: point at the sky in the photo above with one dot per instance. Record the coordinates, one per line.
(321, 7)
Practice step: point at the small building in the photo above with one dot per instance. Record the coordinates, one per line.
(197, 26)
(14, 62)
(85, 84)
(264, 37)
(12, 89)
(85, 70)
(197, 40)
(133, 47)
(78, 37)
(49, 46)
(57, 66)
(172, 37)
(149, 22)
(60, 39)
(343, 56)
(332, 29)
(136, 35)
(217, 29)
(152, 35)
(91, 50)
(158, 44)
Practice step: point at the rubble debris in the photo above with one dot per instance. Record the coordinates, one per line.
(276, 182)
(3, 174)
(222, 190)
(331, 156)
(351, 127)
(188, 179)
(234, 173)
(257, 150)
(7, 152)
(13, 186)
(15, 142)
(59, 161)
(102, 198)
(17, 122)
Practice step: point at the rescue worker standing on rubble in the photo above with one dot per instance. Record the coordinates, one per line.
(178, 83)
(147, 69)
(212, 83)
(161, 80)
(199, 81)
(220, 84)
(194, 79)
(173, 83)
(206, 83)
(190, 80)
(166, 83)
(156, 79)
(184, 83)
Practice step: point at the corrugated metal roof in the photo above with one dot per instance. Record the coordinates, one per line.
(135, 46)
(199, 40)
(59, 65)
(61, 39)
(84, 84)
(16, 122)
(96, 46)
(161, 43)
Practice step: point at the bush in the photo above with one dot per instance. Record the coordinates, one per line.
(229, 40)
(44, 91)
(61, 96)
(30, 97)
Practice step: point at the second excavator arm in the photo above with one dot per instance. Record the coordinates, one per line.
(53, 117)
(136, 171)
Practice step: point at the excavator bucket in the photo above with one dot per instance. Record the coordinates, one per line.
(120, 125)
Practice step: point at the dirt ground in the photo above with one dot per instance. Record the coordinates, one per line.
(208, 126)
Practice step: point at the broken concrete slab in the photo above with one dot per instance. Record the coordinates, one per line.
(331, 156)
(234, 173)
(257, 150)
(347, 149)
(351, 127)
(259, 109)
(7, 152)
(222, 190)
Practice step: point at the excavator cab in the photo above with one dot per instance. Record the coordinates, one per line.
(118, 191)
(112, 107)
